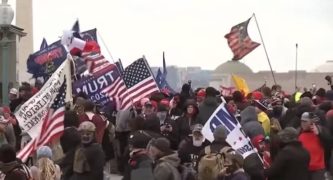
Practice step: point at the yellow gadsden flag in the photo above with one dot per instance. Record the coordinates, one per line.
(240, 84)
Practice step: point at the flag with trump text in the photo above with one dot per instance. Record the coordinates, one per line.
(42, 116)
(139, 81)
(235, 136)
(239, 41)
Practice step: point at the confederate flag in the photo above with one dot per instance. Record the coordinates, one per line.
(239, 40)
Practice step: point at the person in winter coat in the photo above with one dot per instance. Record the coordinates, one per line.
(45, 167)
(70, 141)
(233, 168)
(168, 127)
(292, 160)
(12, 168)
(249, 122)
(89, 159)
(261, 110)
(140, 165)
(218, 144)
(91, 115)
(208, 106)
(186, 122)
(7, 133)
(313, 138)
(190, 148)
(166, 161)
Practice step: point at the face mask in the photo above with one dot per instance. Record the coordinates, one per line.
(197, 143)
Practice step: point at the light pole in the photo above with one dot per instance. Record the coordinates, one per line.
(6, 18)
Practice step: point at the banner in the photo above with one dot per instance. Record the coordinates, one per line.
(44, 62)
(33, 112)
(94, 85)
(235, 136)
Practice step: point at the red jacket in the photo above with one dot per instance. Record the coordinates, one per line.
(311, 142)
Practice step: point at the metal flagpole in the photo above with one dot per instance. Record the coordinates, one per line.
(296, 66)
(262, 41)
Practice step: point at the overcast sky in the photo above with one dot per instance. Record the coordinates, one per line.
(191, 32)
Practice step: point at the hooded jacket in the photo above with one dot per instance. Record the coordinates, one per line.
(250, 123)
(207, 108)
(167, 168)
(185, 123)
(290, 163)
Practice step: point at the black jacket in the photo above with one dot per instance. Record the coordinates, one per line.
(290, 163)
(96, 160)
(140, 166)
(207, 108)
(189, 153)
(185, 125)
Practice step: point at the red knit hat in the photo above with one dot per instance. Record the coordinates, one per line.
(201, 93)
(257, 95)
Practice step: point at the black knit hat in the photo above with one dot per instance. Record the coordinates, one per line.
(139, 139)
(162, 144)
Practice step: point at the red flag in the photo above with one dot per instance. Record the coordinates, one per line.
(239, 40)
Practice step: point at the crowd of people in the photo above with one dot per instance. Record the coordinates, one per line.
(161, 138)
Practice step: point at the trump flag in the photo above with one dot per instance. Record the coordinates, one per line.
(235, 136)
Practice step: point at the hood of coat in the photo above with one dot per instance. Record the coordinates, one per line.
(172, 159)
(248, 114)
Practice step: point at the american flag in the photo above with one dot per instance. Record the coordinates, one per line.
(96, 62)
(117, 91)
(239, 40)
(52, 125)
(139, 81)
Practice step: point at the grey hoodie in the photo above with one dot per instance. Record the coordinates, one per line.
(167, 168)
(250, 123)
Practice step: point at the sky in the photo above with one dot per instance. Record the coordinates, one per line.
(191, 32)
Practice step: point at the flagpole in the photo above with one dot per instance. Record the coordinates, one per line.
(296, 66)
(107, 49)
(262, 41)
(121, 75)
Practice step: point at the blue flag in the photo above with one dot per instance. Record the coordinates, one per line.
(162, 83)
(45, 61)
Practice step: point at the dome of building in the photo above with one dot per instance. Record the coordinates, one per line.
(326, 67)
(231, 67)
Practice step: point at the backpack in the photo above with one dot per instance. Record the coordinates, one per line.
(23, 170)
(211, 164)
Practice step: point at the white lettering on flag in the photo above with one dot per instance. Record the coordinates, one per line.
(235, 137)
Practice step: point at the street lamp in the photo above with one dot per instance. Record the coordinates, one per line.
(6, 18)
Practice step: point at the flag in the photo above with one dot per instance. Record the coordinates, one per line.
(164, 66)
(260, 88)
(76, 29)
(239, 41)
(42, 116)
(44, 44)
(44, 62)
(227, 91)
(139, 81)
(96, 62)
(241, 84)
(235, 136)
(162, 83)
(120, 67)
